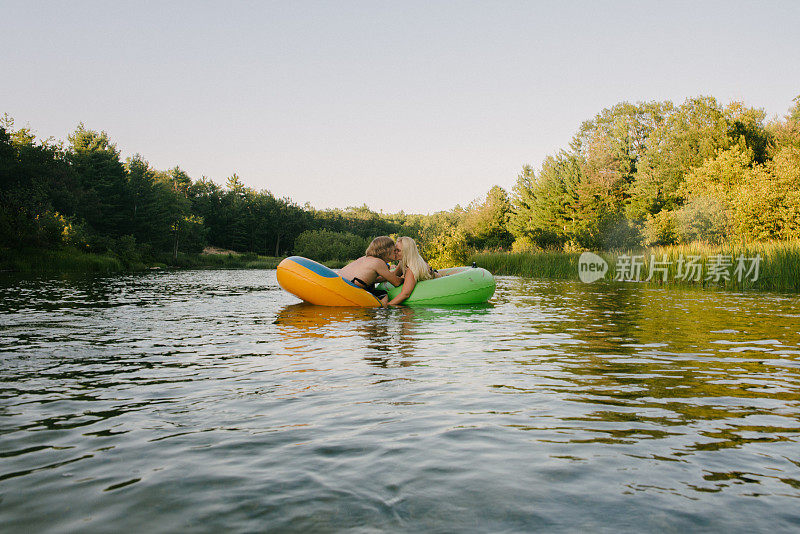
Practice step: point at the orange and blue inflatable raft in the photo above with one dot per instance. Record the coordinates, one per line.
(313, 282)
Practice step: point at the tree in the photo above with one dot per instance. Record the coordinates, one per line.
(766, 205)
(148, 219)
(746, 127)
(689, 135)
(206, 199)
(549, 202)
(520, 220)
(183, 224)
(103, 180)
(486, 223)
(612, 145)
(787, 132)
(740, 198)
(37, 189)
(288, 222)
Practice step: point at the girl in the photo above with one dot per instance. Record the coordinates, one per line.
(411, 267)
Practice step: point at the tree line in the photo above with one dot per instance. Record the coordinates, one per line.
(650, 173)
(81, 194)
(658, 174)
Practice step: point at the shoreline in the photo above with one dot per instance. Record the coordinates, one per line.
(68, 260)
(71, 260)
(778, 268)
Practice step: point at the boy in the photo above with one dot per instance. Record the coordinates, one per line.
(371, 267)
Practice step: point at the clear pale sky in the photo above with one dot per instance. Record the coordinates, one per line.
(402, 105)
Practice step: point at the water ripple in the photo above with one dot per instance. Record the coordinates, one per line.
(211, 400)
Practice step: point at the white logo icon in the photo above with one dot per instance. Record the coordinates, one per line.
(591, 267)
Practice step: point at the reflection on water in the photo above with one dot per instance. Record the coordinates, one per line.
(212, 400)
(384, 337)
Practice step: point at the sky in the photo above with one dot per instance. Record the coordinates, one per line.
(414, 105)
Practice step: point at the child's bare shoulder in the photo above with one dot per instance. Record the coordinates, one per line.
(374, 262)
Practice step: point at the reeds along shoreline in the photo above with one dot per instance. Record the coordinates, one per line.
(773, 266)
(64, 260)
(728, 266)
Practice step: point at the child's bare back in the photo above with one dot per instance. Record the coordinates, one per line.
(364, 271)
(371, 267)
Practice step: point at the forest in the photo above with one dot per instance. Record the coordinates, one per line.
(635, 175)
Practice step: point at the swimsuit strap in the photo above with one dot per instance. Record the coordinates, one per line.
(360, 281)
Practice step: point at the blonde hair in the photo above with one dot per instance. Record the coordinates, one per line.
(379, 247)
(412, 261)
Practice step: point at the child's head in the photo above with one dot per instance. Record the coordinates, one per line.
(411, 259)
(381, 247)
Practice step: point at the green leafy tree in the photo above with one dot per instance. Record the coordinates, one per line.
(786, 133)
(747, 128)
(37, 189)
(289, 221)
(206, 199)
(749, 200)
(662, 229)
(688, 136)
(766, 204)
(486, 222)
(612, 145)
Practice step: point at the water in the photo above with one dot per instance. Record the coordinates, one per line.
(206, 401)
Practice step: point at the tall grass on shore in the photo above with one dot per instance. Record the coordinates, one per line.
(60, 260)
(71, 260)
(553, 265)
(221, 261)
(235, 261)
(778, 268)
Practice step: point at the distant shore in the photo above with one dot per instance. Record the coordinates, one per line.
(773, 266)
(71, 260)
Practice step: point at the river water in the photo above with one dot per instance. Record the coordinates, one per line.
(208, 401)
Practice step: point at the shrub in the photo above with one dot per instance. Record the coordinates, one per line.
(325, 245)
(661, 228)
(618, 232)
(703, 219)
(126, 250)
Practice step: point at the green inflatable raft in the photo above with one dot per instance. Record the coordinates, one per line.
(459, 285)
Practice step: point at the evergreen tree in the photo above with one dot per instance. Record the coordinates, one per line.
(103, 203)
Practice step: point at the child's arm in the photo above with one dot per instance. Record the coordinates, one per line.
(384, 272)
(397, 271)
(408, 286)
